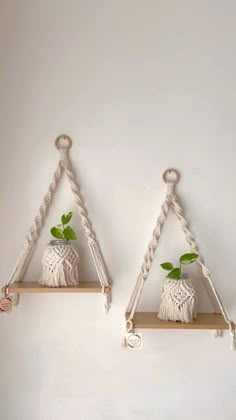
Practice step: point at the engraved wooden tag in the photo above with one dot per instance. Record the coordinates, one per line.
(5, 304)
(134, 341)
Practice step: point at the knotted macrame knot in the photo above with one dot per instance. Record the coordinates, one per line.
(170, 188)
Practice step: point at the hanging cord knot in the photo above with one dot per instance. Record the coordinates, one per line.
(169, 195)
(63, 143)
(171, 178)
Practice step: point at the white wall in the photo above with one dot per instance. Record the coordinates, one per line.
(139, 86)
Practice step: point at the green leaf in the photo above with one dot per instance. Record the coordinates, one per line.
(57, 232)
(174, 274)
(69, 233)
(65, 218)
(167, 266)
(188, 258)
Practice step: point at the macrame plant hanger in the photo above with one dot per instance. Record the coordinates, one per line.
(171, 200)
(63, 143)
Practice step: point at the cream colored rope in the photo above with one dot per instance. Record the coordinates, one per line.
(35, 229)
(206, 273)
(148, 258)
(89, 232)
(171, 200)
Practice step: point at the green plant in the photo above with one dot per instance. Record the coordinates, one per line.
(176, 272)
(62, 231)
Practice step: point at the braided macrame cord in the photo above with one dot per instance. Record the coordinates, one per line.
(171, 200)
(64, 165)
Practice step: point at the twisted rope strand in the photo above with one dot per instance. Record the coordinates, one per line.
(171, 199)
(192, 243)
(90, 234)
(78, 198)
(148, 258)
(206, 273)
(35, 229)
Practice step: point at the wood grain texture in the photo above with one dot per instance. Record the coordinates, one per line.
(204, 321)
(35, 287)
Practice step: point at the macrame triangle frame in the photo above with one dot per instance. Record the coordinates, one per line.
(63, 143)
(171, 200)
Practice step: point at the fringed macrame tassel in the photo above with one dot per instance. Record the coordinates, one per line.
(218, 333)
(124, 342)
(107, 297)
(233, 339)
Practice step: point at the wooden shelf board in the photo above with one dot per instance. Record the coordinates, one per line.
(204, 321)
(35, 287)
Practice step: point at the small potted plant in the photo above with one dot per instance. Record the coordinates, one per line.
(178, 297)
(60, 259)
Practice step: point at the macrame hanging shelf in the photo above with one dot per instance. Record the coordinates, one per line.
(16, 285)
(218, 321)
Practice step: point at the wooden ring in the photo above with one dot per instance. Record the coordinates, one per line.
(129, 325)
(67, 142)
(6, 290)
(171, 171)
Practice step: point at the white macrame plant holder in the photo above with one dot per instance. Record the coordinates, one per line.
(178, 300)
(60, 265)
(171, 200)
(63, 143)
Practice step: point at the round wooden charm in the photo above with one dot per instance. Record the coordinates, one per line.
(134, 341)
(5, 304)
